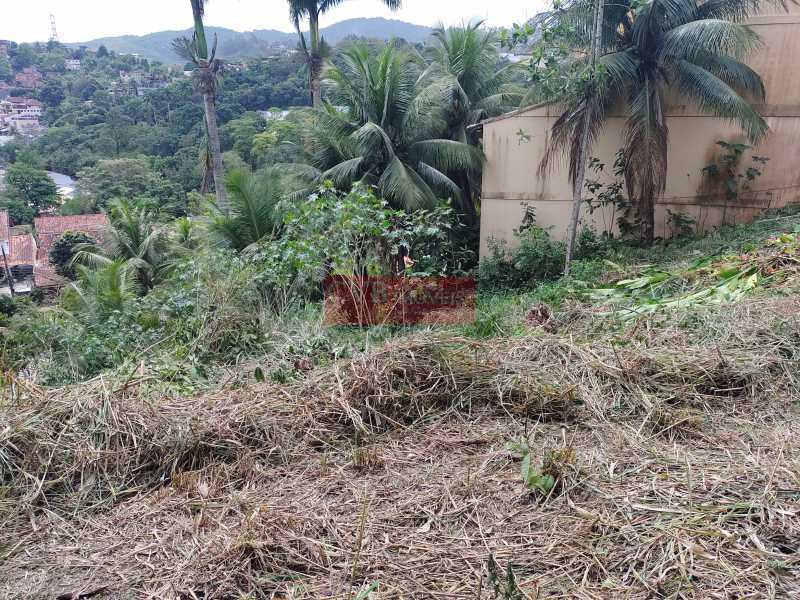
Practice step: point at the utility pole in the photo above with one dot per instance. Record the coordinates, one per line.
(580, 174)
(9, 276)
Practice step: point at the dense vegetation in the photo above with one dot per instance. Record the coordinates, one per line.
(95, 115)
(382, 177)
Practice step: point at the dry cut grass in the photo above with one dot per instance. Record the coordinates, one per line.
(674, 448)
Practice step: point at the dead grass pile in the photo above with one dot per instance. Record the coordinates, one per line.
(87, 445)
(413, 379)
(674, 422)
(691, 373)
(674, 458)
(640, 517)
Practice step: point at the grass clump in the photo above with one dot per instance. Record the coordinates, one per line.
(411, 380)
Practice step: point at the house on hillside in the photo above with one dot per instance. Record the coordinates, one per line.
(21, 107)
(72, 64)
(29, 127)
(49, 229)
(30, 78)
(21, 115)
(515, 143)
(18, 258)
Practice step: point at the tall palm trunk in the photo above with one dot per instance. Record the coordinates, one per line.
(315, 80)
(580, 171)
(315, 60)
(300, 10)
(208, 87)
(208, 91)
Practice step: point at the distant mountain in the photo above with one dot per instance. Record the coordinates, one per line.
(376, 28)
(237, 45)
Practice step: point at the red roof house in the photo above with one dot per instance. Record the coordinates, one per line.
(22, 250)
(30, 78)
(49, 229)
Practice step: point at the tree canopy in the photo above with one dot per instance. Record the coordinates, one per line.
(28, 191)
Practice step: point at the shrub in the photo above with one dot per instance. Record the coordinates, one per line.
(7, 308)
(355, 233)
(63, 251)
(536, 258)
(589, 245)
(539, 257)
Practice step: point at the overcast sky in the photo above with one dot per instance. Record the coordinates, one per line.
(82, 20)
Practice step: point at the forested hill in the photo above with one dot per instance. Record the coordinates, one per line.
(235, 44)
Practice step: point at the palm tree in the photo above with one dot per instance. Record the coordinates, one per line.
(133, 239)
(465, 70)
(253, 216)
(196, 51)
(315, 49)
(389, 133)
(691, 48)
(99, 292)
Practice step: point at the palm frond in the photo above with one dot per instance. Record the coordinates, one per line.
(448, 156)
(438, 180)
(736, 74)
(735, 10)
(715, 97)
(345, 173)
(185, 49)
(714, 36)
(300, 170)
(254, 199)
(398, 185)
(89, 255)
(566, 132)
(373, 140)
(646, 137)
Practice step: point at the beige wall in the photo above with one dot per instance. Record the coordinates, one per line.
(515, 143)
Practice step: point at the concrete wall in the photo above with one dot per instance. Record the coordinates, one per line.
(515, 144)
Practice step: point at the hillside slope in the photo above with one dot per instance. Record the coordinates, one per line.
(585, 456)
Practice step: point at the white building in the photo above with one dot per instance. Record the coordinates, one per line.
(21, 115)
(72, 64)
(21, 107)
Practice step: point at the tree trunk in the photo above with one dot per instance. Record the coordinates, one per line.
(580, 174)
(315, 80)
(213, 142)
(468, 208)
(647, 217)
(208, 173)
(577, 193)
(315, 60)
